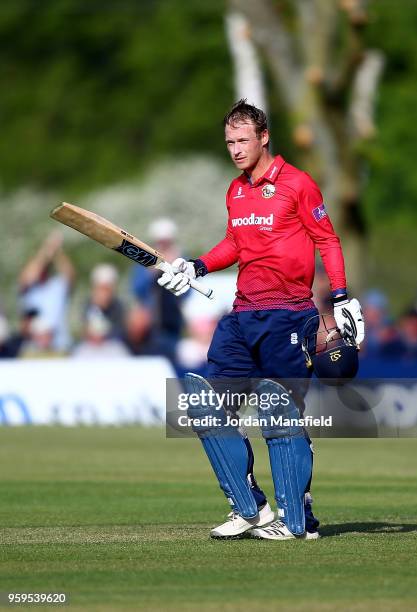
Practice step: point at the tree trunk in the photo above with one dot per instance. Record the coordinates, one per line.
(327, 81)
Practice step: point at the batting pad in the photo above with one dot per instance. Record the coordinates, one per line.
(289, 455)
(225, 448)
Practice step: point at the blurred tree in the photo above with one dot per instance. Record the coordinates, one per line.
(327, 80)
(93, 89)
(248, 73)
(391, 181)
(393, 189)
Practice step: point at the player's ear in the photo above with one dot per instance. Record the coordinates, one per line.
(265, 138)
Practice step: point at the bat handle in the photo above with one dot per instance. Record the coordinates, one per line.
(209, 293)
(202, 289)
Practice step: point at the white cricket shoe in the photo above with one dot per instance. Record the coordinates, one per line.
(279, 531)
(236, 525)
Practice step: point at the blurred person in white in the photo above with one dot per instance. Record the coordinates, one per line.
(103, 300)
(97, 341)
(40, 343)
(163, 233)
(192, 350)
(45, 285)
(167, 319)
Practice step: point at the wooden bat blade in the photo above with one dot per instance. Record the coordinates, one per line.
(106, 233)
(88, 223)
(113, 237)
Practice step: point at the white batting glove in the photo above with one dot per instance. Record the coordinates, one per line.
(349, 319)
(177, 280)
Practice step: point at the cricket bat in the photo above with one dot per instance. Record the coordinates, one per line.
(113, 237)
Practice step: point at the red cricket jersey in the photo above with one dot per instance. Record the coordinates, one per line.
(274, 227)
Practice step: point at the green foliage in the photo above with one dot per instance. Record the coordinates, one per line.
(96, 89)
(391, 191)
(392, 260)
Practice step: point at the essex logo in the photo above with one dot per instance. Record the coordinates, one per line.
(268, 191)
(335, 355)
(239, 194)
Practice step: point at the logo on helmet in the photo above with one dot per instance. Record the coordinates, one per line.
(333, 357)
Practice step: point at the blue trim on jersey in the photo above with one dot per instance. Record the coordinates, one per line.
(199, 267)
(340, 292)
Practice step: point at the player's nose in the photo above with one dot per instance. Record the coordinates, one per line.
(237, 150)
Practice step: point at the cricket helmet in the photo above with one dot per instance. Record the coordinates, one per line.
(333, 357)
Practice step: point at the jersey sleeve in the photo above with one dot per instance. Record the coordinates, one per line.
(315, 219)
(223, 255)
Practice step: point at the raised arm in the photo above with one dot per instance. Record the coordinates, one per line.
(50, 252)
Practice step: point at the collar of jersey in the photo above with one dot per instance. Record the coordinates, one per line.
(270, 175)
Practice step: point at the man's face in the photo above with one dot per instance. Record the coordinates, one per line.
(102, 294)
(244, 146)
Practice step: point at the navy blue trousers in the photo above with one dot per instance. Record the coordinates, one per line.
(261, 344)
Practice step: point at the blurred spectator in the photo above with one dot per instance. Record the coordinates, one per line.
(192, 350)
(18, 338)
(139, 330)
(167, 319)
(103, 300)
(321, 291)
(164, 233)
(381, 338)
(408, 330)
(97, 341)
(5, 348)
(40, 343)
(44, 285)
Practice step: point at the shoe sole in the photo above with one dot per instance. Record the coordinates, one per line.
(308, 536)
(239, 536)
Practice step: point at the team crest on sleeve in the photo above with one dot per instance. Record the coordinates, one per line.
(268, 191)
(319, 212)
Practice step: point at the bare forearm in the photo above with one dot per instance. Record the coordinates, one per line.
(34, 268)
(64, 266)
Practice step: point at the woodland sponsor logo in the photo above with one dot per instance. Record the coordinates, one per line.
(253, 220)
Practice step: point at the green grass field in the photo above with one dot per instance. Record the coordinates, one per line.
(119, 520)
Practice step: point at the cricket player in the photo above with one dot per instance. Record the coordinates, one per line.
(276, 220)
